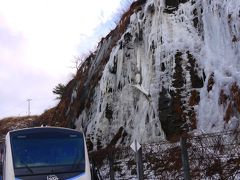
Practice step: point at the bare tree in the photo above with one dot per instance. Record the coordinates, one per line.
(77, 62)
(124, 6)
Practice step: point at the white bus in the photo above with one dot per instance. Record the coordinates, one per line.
(45, 153)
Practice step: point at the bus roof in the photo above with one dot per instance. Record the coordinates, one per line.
(44, 128)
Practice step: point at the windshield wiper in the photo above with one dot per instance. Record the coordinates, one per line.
(26, 166)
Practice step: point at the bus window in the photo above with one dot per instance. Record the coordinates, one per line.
(49, 152)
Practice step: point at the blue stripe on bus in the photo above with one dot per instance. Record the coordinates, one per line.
(76, 177)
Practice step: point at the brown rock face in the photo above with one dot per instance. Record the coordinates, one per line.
(231, 102)
(194, 98)
(223, 98)
(229, 113)
(210, 82)
(176, 107)
(235, 90)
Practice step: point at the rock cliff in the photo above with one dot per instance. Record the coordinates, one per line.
(168, 68)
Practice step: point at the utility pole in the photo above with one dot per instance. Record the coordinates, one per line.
(29, 106)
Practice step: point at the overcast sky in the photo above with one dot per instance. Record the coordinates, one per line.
(38, 42)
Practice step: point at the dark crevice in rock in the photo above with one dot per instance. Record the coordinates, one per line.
(151, 8)
(172, 5)
(178, 76)
(195, 22)
(121, 134)
(89, 144)
(99, 143)
(108, 112)
(163, 68)
(113, 69)
(170, 114)
(197, 82)
(127, 37)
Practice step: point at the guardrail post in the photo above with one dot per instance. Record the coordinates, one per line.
(111, 163)
(136, 147)
(139, 164)
(185, 162)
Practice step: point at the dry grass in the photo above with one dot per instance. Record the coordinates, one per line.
(11, 123)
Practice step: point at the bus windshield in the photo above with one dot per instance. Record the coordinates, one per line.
(36, 151)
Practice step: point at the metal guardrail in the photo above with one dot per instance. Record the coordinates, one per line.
(215, 155)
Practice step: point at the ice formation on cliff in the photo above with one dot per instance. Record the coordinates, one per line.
(166, 74)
